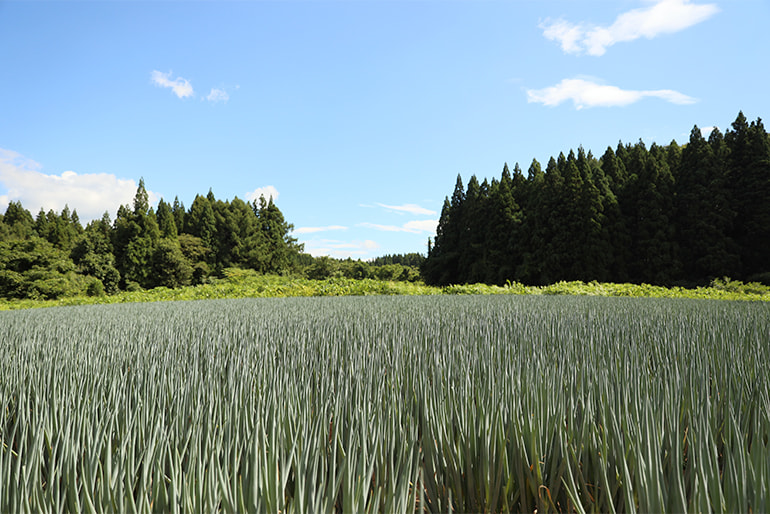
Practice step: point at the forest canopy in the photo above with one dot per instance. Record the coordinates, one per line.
(53, 255)
(663, 215)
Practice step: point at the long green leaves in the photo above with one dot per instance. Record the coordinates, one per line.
(387, 404)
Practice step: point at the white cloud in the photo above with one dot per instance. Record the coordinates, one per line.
(91, 194)
(587, 93)
(566, 33)
(340, 249)
(313, 230)
(662, 17)
(706, 131)
(421, 226)
(218, 95)
(266, 191)
(413, 227)
(181, 87)
(384, 228)
(409, 208)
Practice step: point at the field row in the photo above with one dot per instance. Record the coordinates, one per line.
(387, 404)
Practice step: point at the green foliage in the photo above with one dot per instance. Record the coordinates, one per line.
(95, 288)
(166, 220)
(92, 254)
(17, 223)
(170, 268)
(35, 269)
(276, 246)
(327, 267)
(736, 286)
(243, 283)
(413, 259)
(143, 250)
(201, 222)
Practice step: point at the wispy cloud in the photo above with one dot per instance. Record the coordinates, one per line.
(408, 208)
(421, 226)
(313, 230)
(218, 95)
(341, 249)
(587, 93)
(180, 86)
(662, 17)
(266, 191)
(413, 227)
(91, 194)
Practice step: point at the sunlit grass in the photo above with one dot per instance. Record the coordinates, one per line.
(248, 284)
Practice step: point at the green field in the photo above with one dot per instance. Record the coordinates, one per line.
(387, 404)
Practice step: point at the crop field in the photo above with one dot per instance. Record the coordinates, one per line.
(387, 404)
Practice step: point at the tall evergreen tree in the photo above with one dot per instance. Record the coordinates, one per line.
(279, 247)
(245, 230)
(472, 230)
(502, 245)
(704, 216)
(749, 179)
(134, 236)
(92, 254)
(554, 254)
(443, 266)
(436, 269)
(18, 221)
(166, 220)
(595, 260)
(179, 215)
(535, 223)
(201, 222)
(648, 207)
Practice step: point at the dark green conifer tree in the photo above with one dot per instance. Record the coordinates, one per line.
(201, 222)
(166, 220)
(749, 184)
(279, 248)
(18, 222)
(134, 236)
(471, 242)
(704, 216)
(179, 215)
(648, 203)
(502, 245)
(93, 255)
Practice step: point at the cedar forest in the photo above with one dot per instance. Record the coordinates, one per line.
(664, 215)
(667, 215)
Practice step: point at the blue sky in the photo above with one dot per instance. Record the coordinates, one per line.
(356, 115)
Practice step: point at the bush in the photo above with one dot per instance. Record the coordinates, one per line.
(736, 286)
(199, 273)
(132, 286)
(95, 287)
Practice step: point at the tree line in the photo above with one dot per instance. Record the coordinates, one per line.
(664, 215)
(53, 255)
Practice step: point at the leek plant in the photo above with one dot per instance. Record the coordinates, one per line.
(387, 404)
